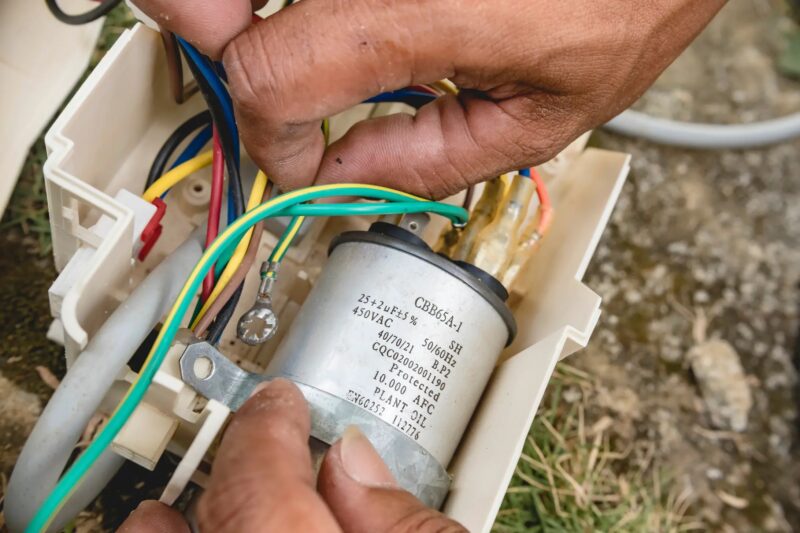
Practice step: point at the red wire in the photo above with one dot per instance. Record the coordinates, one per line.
(424, 89)
(545, 207)
(214, 205)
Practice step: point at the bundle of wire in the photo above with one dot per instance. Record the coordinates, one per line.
(224, 255)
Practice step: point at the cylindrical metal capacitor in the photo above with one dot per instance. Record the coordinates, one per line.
(401, 342)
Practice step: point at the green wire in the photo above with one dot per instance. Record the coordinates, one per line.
(288, 233)
(281, 206)
(319, 210)
(360, 209)
(354, 209)
(324, 210)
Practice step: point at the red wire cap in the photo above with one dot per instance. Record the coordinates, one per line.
(152, 231)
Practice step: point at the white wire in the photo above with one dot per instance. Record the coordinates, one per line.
(706, 136)
(78, 397)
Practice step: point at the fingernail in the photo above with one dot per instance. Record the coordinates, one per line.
(258, 388)
(361, 462)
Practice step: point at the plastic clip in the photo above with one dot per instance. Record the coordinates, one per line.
(152, 231)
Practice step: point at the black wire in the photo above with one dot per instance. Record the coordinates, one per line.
(81, 18)
(225, 134)
(219, 324)
(171, 144)
(227, 139)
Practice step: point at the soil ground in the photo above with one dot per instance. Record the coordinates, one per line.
(717, 233)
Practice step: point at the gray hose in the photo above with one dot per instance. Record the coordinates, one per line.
(62, 422)
(705, 136)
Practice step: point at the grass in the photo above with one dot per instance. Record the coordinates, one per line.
(573, 476)
(27, 208)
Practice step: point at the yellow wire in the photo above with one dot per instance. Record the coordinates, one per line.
(217, 242)
(169, 179)
(241, 249)
(221, 242)
(326, 131)
(446, 86)
(281, 250)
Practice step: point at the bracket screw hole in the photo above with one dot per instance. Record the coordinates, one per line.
(203, 368)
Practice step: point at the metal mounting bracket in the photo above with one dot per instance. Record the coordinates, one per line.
(214, 376)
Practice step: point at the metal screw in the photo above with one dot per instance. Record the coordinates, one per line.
(259, 324)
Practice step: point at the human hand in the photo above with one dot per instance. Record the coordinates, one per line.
(262, 480)
(534, 74)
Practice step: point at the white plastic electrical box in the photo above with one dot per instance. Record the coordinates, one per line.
(104, 142)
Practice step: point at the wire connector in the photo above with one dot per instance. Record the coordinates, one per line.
(259, 324)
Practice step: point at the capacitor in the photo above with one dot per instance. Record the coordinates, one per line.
(401, 342)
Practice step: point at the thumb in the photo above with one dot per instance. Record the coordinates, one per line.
(364, 496)
(207, 24)
(154, 517)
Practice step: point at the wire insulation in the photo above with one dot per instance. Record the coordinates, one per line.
(180, 92)
(195, 145)
(545, 205)
(93, 14)
(237, 278)
(214, 206)
(174, 176)
(286, 239)
(705, 136)
(221, 107)
(180, 134)
(219, 324)
(415, 99)
(257, 192)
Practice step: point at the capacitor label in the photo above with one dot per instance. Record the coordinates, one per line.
(417, 355)
(410, 373)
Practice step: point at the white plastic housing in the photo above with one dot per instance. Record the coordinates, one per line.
(41, 58)
(92, 158)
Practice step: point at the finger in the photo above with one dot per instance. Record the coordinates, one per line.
(154, 517)
(542, 83)
(262, 478)
(450, 144)
(364, 496)
(317, 58)
(208, 24)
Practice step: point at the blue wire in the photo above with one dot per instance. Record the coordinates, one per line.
(209, 72)
(407, 96)
(192, 149)
(220, 68)
(231, 208)
(526, 172)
